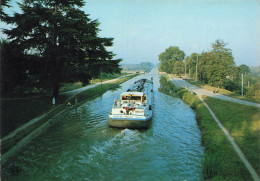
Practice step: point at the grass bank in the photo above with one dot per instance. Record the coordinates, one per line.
(18, 111)
(94, 92)
(16, 116)
(77, 85)
(242, 122)
(220, 162)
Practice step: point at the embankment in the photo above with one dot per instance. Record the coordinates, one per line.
(220, 162)
(23, 135)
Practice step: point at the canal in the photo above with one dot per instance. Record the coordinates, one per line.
(81, 146)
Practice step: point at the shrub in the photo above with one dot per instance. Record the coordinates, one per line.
(253, 91)
(229, 85)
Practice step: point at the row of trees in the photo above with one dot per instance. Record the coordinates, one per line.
(215, 66)
(52, 42)
(138, 67)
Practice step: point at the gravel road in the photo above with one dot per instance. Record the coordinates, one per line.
(199, 91)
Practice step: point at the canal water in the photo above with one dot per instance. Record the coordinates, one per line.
(81, 146)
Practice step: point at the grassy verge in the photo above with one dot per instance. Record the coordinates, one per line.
(17, 112)
(91, 93)
(65, 87)
(223, 91)
(77, 85)
(220, 162)
(106, 77)
(71, 86)
(243, 124)
(9, 143)
(15, 115)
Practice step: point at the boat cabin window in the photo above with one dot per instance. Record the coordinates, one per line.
(132, 98)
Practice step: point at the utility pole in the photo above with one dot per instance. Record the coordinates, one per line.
(242, 93)
(197, 69)
(185, 69)
(189, 71)
(248, 84)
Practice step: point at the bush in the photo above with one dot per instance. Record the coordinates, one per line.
(253, 91)
(231, 86)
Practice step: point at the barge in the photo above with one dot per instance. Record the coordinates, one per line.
(134, 108)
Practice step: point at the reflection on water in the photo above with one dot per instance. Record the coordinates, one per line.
(82, 146)
(166, 87)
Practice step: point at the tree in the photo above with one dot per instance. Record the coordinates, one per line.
(217, 64)
(137, 67)
(253, 91)
(178, 67)
(244, 69)
(236, 75)
(13, 68)
(4, 3)
(224, 59)
(62, 42)
(146, 65)
(169, 57)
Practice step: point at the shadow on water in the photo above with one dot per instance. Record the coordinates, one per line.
(81, 146)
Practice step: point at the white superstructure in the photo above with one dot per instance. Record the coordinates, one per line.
(134, 108)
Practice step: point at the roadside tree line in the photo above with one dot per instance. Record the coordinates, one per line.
(52, 42)
(215, 67)
(143, 66)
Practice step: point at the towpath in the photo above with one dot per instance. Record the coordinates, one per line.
(69, 93)
(199, 91)
(72, 93)
(36, 132)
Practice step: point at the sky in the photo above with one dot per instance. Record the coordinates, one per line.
(142, 29)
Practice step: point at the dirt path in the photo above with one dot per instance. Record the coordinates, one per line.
(77, 91)
(37, 131)
(71, 93)
(199, 91)
(237, 149)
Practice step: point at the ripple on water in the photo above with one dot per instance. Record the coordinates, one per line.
(81, 146)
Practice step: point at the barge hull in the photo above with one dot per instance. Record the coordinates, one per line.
(131, 124)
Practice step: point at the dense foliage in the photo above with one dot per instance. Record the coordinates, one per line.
(172, 60)
(215, 67)
(58, 43)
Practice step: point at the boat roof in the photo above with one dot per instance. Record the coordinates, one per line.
(132, 93)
